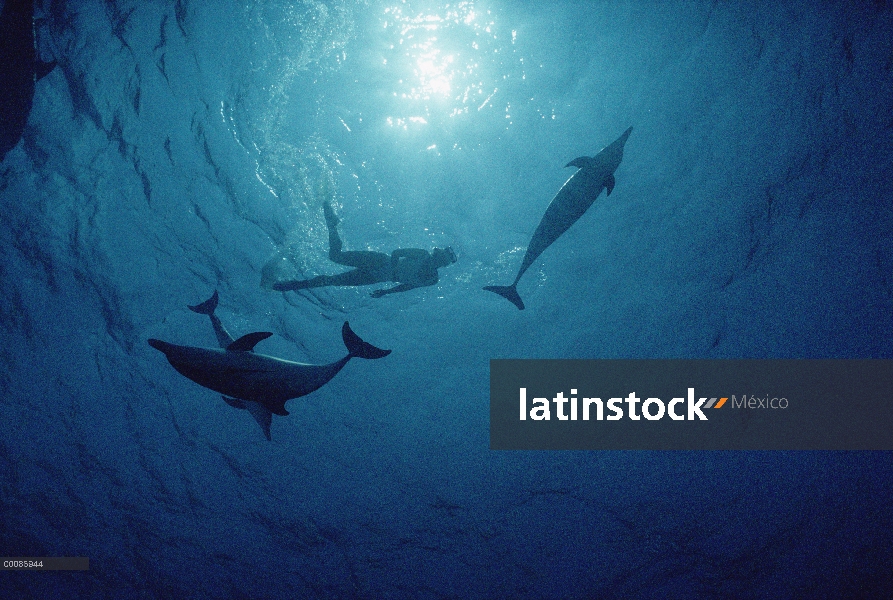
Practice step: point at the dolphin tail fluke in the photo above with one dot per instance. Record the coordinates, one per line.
(207, 307)
(357, 347)
(260, 412)
(509, 292)
(223, 337)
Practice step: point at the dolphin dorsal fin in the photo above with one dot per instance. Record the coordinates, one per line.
(581, 162)
(247, 342)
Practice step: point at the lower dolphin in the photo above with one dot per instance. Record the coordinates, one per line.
(572, 200)
(258, 383)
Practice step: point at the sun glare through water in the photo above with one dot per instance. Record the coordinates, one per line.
(444, 61)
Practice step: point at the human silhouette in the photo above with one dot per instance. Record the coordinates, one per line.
(409, 268)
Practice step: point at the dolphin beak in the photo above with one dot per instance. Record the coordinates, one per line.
(159, 345)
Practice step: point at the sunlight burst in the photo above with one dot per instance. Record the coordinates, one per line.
(436, 58)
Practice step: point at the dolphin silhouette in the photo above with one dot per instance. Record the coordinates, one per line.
(257, 383)
(572, 200)
(20, 68)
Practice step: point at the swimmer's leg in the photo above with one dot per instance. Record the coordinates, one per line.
(360, 259)
(354, 277)
(332, 225)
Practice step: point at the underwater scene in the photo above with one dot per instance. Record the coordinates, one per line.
(245, 338)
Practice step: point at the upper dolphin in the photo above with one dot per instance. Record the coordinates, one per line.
(572, 200)
(261, 384)
(20, 68)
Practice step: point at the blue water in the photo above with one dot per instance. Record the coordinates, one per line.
(184, 147)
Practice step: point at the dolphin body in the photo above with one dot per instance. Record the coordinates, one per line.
(20, 68)
(572, 200)
(257, 383)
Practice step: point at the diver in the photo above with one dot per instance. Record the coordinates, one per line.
(409, 268)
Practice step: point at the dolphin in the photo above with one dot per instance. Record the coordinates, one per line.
(594, 174)
(20, 68)
(254, 382)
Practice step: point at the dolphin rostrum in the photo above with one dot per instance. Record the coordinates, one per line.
(20, 68)
(572, 200)
(257, 383)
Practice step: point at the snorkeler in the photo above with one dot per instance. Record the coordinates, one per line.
(408, 267)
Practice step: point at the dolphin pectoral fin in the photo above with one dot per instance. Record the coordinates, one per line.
(609, 183)
(357, 347)
(260, 412)
(235, 402)
(580, 162)
(207, 307)
(42, 69)
(263, 417)
(509, 292)
(247, 342)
